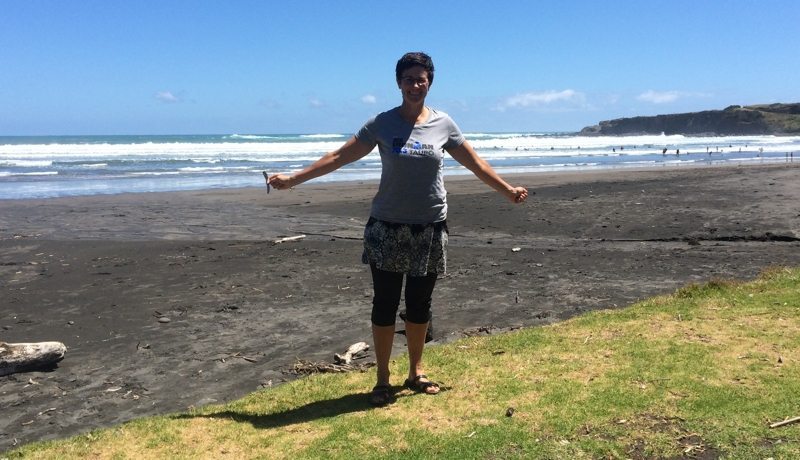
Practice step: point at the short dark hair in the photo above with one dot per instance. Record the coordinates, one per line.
(410, 60)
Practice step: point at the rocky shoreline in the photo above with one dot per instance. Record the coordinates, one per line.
(775, 119)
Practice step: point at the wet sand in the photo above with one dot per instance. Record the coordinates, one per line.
(99, 273)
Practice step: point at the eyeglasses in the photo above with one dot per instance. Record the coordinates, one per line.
(411, 81)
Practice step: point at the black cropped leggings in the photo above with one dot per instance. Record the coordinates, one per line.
(388, 287)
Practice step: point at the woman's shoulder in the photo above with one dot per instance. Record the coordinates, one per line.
(391, 113)
(441, 118)
(437, 114)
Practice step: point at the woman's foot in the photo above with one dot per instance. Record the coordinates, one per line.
(421, 384)
(381, 395)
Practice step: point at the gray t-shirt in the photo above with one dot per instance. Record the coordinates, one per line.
(411, 189)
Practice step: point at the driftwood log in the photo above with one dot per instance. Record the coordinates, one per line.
(303, 367)
(342, 362)
(289, 238)
(788, 421)
(18, 357)
(354, 351)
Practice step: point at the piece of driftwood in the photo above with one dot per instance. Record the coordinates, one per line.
(289, 238)
(303, 367)
(351, 353)
(342, 362)
(18, 357)
(788, 421)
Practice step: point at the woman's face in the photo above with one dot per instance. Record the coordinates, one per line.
(414, 84)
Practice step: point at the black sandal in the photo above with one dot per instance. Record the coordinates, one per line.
(381, 395)
(417, 385)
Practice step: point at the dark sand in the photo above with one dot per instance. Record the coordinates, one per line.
(96, 272)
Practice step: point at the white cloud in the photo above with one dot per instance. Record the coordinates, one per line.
(167, 97)
(316, 103)
(663, 97)
(546, 98)
(369, 99)
(659, 97)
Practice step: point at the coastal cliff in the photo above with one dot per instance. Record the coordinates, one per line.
(778, 119)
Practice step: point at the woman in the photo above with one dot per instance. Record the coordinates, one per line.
(406, 235)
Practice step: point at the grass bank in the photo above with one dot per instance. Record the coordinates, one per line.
(698, 374)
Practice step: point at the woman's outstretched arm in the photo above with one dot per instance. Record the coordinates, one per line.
(351, 151)
(467, 156)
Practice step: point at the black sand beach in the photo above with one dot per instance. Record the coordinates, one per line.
(98, 273)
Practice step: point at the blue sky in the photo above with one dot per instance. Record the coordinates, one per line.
(221, 67)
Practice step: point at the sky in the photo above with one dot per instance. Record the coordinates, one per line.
(108, 67)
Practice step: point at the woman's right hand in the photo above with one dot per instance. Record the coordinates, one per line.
(282, 181)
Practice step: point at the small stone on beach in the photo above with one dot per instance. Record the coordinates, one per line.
(164, 319)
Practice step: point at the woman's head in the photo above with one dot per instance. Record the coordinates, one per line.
(414, 59)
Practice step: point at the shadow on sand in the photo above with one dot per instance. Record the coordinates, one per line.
(306, 413)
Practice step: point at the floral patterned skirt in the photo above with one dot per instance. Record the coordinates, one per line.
(413, 249)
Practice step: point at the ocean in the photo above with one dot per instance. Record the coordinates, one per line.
(56, 166)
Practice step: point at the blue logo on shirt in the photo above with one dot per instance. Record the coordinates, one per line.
(398, 144)
(402, 146)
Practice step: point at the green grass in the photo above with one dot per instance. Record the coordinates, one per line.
(703, 371)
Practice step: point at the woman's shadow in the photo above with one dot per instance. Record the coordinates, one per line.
(306, 413)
